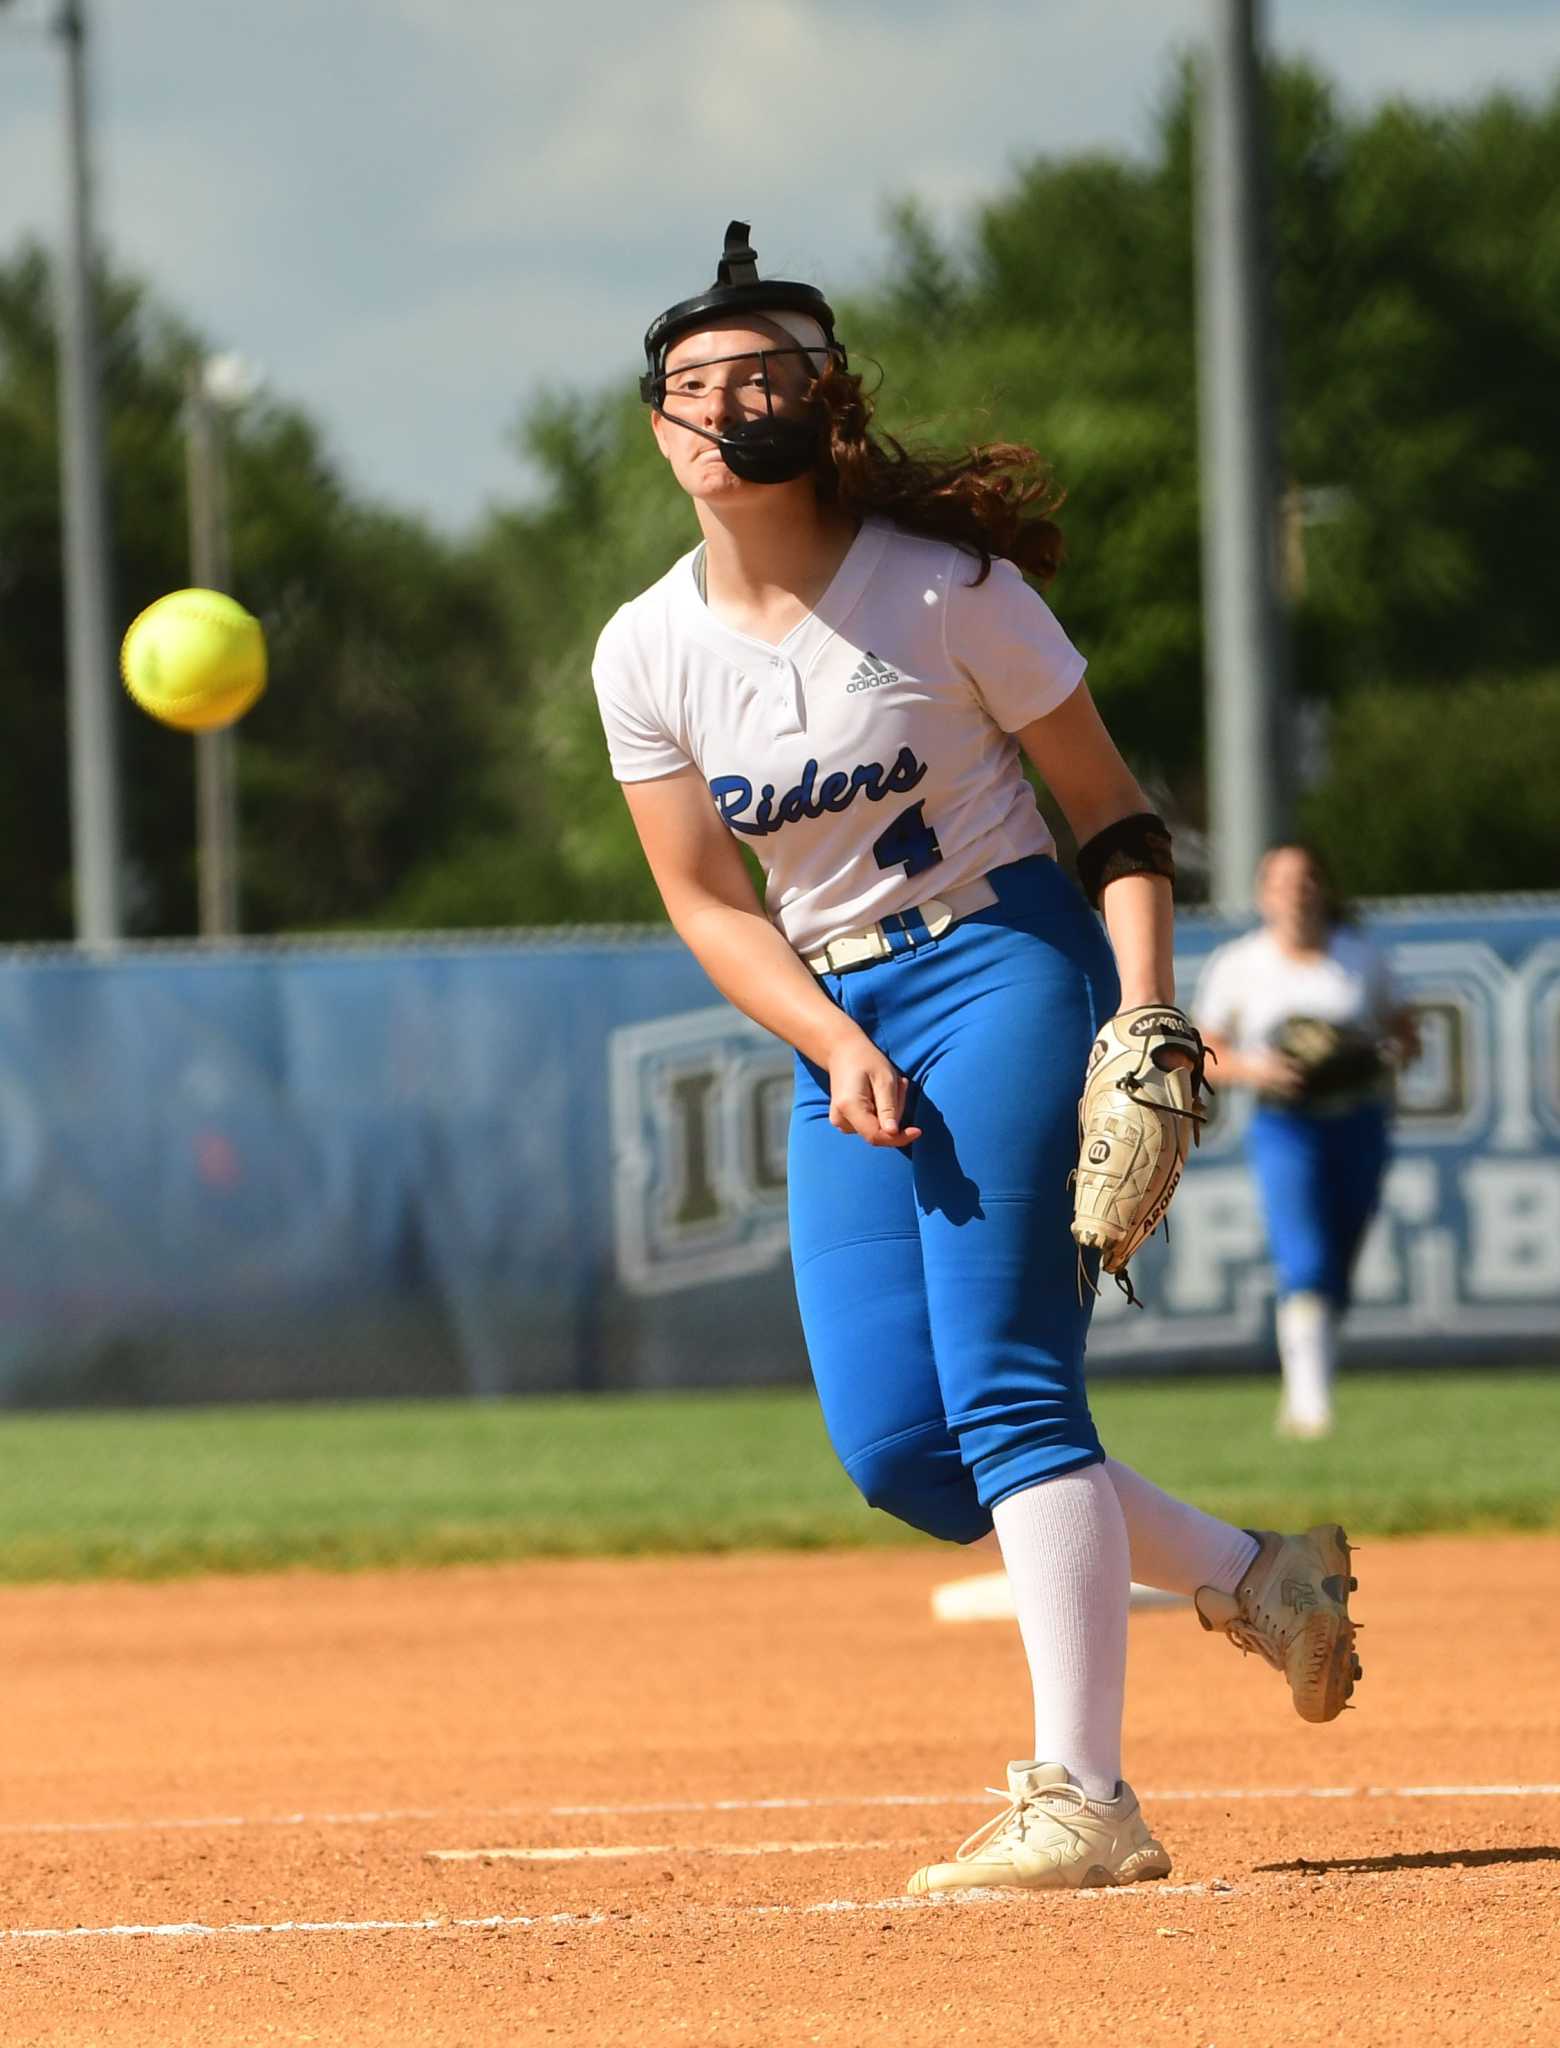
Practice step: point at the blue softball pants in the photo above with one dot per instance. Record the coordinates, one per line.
(938, 1283)
(1320, 1180)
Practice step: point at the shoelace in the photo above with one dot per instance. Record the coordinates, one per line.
(1017, 1815)
(1245, 1637)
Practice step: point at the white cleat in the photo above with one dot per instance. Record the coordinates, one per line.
(1292, 1608)
(1052, 1838)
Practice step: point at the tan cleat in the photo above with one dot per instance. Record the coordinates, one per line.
(1051, 1838)
(1292, 1608)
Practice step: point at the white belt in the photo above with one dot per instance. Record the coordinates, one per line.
(902, 931)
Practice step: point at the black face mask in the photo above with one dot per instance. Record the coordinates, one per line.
(773, 449)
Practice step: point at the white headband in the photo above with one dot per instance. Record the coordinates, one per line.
(803, 329)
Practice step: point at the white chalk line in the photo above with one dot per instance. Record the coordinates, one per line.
(181, 1930)
(201, 1930)
(594, 1852)
(380, 1817)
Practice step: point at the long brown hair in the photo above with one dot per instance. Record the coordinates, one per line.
(993, 500)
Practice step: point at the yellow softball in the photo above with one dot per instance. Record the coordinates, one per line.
(195, 659)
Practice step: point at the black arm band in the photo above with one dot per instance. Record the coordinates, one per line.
(1139, 845)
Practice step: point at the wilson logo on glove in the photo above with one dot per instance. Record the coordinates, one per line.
(1166, 1023)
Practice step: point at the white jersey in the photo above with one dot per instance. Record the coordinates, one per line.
(868, 759)
(1251, 987)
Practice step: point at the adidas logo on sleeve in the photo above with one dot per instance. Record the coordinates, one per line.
(871, 674)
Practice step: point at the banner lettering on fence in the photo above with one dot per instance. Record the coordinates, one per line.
(560, 1163)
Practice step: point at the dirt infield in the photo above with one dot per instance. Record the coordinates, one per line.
(781, 1740)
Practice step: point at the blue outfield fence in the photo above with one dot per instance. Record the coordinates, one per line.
(552, 1162)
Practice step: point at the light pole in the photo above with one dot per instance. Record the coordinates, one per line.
(92, 695)
(1243, 632)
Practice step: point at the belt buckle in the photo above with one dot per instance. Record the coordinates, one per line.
(915, 927)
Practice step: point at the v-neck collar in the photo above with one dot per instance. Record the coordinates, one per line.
(813, 630)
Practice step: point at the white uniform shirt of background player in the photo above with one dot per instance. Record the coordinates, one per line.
(820, 667)
(1252, 988)
(1304, 1010)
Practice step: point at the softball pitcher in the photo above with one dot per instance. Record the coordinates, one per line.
(845, 676)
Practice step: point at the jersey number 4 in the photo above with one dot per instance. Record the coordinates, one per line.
(909, 843)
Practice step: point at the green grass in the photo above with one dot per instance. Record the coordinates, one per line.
(152, 1494)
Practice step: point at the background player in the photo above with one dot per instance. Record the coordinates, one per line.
(845, 677)
(1305, 1012)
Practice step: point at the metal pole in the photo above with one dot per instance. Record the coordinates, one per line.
(216, 799)
(1242, 626)
(92, 693)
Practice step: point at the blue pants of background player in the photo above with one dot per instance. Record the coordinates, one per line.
(1320, 1179)
(938, 1284)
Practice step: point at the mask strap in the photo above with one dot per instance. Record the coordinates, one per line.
(739, 264)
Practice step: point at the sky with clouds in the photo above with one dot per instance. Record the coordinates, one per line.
(417, 215)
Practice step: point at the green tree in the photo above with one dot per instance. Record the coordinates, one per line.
(1416, 258)
(1442, 791)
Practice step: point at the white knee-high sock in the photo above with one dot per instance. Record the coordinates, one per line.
(1175, 1546)
(1307, 1343)
(1065, 1547)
